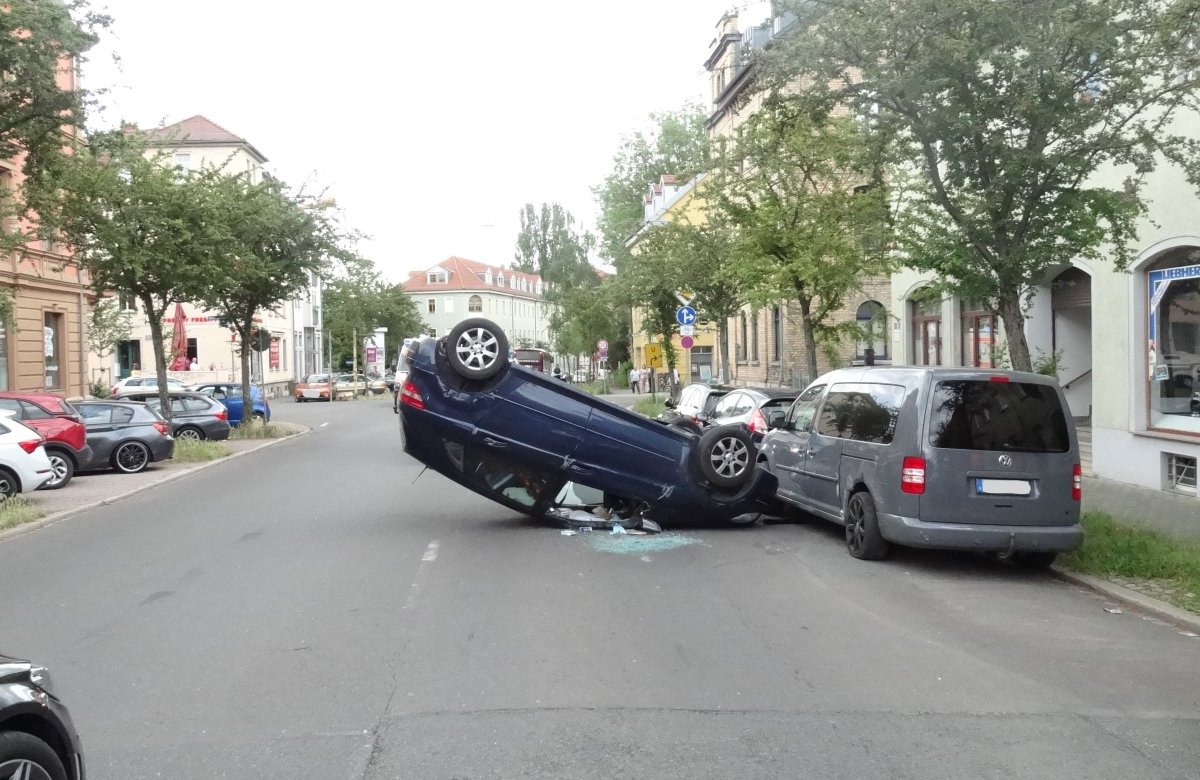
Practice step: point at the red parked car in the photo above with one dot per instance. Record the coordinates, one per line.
(60, 424)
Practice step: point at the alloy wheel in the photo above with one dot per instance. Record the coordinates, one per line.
(855, 532)
(61, 469)
(23, 769)
(729, 457)
(132, 457)
(477, 348)
(191, 434)
(8, 486)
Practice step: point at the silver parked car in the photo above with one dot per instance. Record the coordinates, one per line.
(950, 458)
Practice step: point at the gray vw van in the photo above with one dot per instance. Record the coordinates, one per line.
(952, 458)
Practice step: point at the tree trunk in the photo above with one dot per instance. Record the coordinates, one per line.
(160, 353)
(247, 328)
(1009, 308)
(810, 338)
(723, 335)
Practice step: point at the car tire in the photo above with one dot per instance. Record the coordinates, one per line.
(131, 457)
(191, 433)
(1035, 561)
(863, 539)
(299, 399)
(63, 467)
(9, 484)
(259, 417)
(477, 349)
(23, 755)
(725, 456)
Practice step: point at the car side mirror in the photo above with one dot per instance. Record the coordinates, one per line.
(775, 419)
(670, 404)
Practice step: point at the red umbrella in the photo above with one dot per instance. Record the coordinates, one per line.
(179, 343)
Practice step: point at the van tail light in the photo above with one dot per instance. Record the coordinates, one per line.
(161, 427)
(1077, 483)
(758, 423)
(222, 414)
(410, 396)
(912, 476)
(31, 445)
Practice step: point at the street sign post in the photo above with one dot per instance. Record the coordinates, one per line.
(687, 330)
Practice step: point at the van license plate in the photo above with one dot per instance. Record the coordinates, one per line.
(1003, 487)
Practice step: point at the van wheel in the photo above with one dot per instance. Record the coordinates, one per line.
(477, 348)
(1034, 560)
(725, 456)
(863, 539)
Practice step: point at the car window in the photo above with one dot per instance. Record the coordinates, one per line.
(744, 404)
(12, 405)
(712, 400)
(32, 411)
(861, 411)
(726, 407)
(5, 429)
(985, 415)
(196, 404)
(95, 413)
(800, 416)
(121, 414)
(177, 405)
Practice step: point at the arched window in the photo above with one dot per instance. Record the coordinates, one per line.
(475, 303)
(871, 320)
(1173, 327)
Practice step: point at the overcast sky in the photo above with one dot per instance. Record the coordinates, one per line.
(430, 123)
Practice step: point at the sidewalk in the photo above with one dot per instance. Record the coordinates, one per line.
(1155, 509)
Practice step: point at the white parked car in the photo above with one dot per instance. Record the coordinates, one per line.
(146, 382)
(24, 465)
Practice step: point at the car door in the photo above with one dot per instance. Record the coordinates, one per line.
(822, 483)
(231, 398)
(97, 418)
(787, 445)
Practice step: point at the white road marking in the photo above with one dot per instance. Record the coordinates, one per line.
(431, 554)
(324, 424)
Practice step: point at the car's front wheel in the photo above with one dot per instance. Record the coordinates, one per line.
(63, 468)
(477, 348)
(26, 757)
(131, 457)
(725, 456)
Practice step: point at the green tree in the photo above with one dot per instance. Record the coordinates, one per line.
(357, 301)
(276, 245)
(1008, 110)
(138, 226)
(109, 326)
(798, 189)
(677, 145)
(550, 245)
(36, 114)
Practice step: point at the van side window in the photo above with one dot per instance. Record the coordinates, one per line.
(800, 416)
(861, 411)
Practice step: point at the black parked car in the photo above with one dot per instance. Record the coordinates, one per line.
(38, 741)
(541, 446)
(758, 408)
(125, 435)
(692, 407)
(194, 415)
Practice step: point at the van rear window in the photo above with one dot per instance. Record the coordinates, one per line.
(1007, 416)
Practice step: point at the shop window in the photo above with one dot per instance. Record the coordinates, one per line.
(1173, 349)
(926, 329)
(978, 335)
(871, 320)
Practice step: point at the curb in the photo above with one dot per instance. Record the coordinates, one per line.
(1143, 603)
(58, 517)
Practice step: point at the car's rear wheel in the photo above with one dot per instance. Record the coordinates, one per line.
(863, 539)
(477, 348)
(63, 468)
(725, 456)
(9, 484)
(131, 457)
(190, 433)
(26, 757)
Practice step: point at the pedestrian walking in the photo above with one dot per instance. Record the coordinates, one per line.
(634, 378)
(646, 376)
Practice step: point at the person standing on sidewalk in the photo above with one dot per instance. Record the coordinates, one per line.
(634, 377)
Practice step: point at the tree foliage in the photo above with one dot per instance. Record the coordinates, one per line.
(800, 190)
(36, 38)
(550, 245)
(357, 301)
(109, 326)
(1008, 110)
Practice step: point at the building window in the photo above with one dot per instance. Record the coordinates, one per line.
(754, 338)
(474, 303)
(776, 334)
(1173, 330)
(500, 280)
(432, 305)
(926, 329)
(1181, 474)
(871, 319)
(433, 332)
(743, 339)
(183, 160)
(4, 385)
(978, 335)
(448, 305)
(126, 302)
(52, 348)
(437, 277)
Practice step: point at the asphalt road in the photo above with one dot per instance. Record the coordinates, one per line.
(319, 610)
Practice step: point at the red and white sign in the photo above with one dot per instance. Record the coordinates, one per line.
(602, 345)
(274, 354)
(686, 342)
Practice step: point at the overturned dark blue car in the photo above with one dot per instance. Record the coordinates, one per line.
(542, 447)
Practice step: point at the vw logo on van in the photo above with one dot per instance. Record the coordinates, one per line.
(1005, 460)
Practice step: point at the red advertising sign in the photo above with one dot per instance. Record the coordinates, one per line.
(274, 354)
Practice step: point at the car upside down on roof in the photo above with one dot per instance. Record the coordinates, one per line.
(542, 447)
